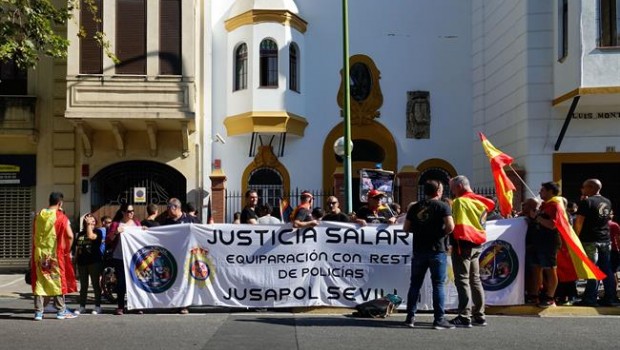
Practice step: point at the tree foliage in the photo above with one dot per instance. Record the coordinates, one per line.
(31, 28)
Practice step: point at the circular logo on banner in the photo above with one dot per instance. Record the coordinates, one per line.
(153, 269)
(200, 270)
(499, 265)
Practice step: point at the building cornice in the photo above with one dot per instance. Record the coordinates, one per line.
(265, 122)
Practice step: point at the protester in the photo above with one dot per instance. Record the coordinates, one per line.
(614, 235)
(191, 211)
(123, 218)
(592, 227)
(529, 209)
(106, 221)
(318, 213)
(89, 262)
(571, 210)
(264, 211)
(469, 211)
(566, 291)
(302, 216)
(52, 274)
(152, 211)
(248, 214)
(237, 217)
(176, 214)
(430, 221)
(375, 211)
(333, 211)
(548, 242)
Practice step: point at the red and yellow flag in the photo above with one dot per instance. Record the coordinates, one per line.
(470, 213)
(503, 186)
(52, 271)
(583, 267)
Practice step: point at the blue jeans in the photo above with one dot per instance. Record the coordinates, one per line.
(599, 253)
(420, 263)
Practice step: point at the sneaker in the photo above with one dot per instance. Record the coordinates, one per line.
(461, 322)
(38, 316)
(97, 311)
(546, 302)
(82, 310)
(65, 315)
(479, 321)
(184, 311)
(443, 324)
(409, 323)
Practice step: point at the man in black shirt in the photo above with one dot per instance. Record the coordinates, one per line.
(334, 213)
(430, 221)
(248, 214)
(592, 227)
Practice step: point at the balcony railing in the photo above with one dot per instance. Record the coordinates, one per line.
(18, 115)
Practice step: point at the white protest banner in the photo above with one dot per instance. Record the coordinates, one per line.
(267, 265)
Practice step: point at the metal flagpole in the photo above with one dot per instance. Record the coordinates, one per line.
(524, 184)
(348, 188)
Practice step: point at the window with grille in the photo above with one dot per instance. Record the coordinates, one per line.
(241, 67)
(268, 63)
(16, 215)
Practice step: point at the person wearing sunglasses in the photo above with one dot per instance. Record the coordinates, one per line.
(176, 214)
(333, 211)
(124, 217)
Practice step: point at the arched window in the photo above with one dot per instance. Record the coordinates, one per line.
(293, 67)
(268, 63)
(241, 68)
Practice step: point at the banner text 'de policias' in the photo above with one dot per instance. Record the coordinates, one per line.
(332, 264)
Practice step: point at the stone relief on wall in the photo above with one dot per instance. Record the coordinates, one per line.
(418, 115)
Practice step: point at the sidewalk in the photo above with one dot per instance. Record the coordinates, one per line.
(12, 286)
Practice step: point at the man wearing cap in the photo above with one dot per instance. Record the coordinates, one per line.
(375, 211)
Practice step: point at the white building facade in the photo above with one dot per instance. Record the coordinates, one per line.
(215, 96)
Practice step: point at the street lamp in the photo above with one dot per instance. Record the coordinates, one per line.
(348, 145)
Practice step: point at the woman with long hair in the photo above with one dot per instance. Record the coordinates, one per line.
(123, 218)
(89, 261)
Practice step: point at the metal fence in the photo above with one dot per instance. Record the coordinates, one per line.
(483, 191)
(272, 194)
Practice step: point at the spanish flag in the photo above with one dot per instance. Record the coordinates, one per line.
(52, 271)
(582, 266)
(503, 185)
(470, 215)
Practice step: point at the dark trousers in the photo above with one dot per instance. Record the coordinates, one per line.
(121, 287)
(92, 271)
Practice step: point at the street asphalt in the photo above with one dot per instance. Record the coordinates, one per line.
(516, 327)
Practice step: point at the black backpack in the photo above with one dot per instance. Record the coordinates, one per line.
(378, 308)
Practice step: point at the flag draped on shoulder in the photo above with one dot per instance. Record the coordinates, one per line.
(52, 271)
(503, 186)
(583, 267)
(469, 212)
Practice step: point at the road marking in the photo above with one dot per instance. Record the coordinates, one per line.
(10, 283)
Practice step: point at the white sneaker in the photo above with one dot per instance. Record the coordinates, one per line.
(82, 310)
(97, 311)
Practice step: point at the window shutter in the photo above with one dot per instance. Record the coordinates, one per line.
(91, 53)
(131, 36)
(170, 37)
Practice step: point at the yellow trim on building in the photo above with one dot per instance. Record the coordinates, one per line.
(602, 90)
(373, 131)
(284, 17)
(437, 163)
(267, 122)
(266, 159)
(572, 158)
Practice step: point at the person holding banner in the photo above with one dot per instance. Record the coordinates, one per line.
(470, 213)
(375, 211)
(302, 215)
(248, 214)
(430, 221)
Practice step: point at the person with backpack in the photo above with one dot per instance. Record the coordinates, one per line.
(430, 221)
(470, 214)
